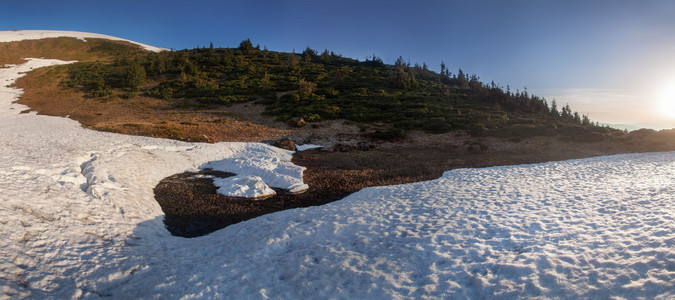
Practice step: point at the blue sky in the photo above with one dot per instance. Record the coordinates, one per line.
(609, 59)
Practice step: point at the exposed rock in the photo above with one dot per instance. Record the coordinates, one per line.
(297, 122)
(477, 147)
(285, 143)
(346, 147)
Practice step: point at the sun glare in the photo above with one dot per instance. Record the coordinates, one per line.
(667, 102)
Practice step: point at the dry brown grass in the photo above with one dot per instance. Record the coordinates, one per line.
(138, 116)
(63, 48)
(149, 116)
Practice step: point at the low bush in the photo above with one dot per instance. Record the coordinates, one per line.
(326, 87)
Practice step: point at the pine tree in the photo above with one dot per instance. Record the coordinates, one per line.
(400, 78)
(462, 81)
(308, 54)
(585, 120)
(246, 45)
(134, 75)
(577, 118)
(292, 62)
(554, 109)
(325, 56)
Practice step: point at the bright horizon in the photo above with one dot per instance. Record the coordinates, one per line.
(612, 60)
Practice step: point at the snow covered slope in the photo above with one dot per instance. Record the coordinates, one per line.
(20, 35)
(74, 201)
(79, 220)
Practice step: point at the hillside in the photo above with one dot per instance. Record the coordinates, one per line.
(249, 94)
(378, 131)
(65, 45)
(213, 94)
(327, 86)
(82, 217)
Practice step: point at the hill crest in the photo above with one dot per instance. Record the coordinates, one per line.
(22, 35)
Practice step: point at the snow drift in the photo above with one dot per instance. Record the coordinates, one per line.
(79, 220)
(20, 35)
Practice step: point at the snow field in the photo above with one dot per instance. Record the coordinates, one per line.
(596, 228)
(20, 35)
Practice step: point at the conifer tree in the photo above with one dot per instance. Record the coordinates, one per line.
(246, 45)
(577, 118)
(462, 81)
(308, 54)
(554, 109)
(134, 75)
(325, 56)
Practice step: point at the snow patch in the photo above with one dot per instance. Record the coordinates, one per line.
(200, 176)
(243, 187)
(21, 35)
(307, 147)
(273, 165)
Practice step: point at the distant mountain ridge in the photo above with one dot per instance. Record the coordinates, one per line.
(638, 126)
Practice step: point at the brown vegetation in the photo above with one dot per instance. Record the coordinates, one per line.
(63, 48)
(140, 115)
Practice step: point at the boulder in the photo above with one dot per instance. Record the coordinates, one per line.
(297, 122)
(285, 143)
(478, 147)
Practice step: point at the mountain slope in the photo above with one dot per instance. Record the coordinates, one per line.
(327, 86)
(79, 220)
(65, 45)
(22, 35)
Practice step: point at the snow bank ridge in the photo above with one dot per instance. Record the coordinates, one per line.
(87, 170)
(21, 35)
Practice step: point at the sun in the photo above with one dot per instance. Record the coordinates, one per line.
(667, 102)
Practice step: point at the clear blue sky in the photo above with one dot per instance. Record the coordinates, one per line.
(603, 57)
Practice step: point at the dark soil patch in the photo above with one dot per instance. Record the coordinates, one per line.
(193, 208)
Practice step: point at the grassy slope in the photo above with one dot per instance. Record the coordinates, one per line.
(56, 48)
(203, 83)
(328, 86)
(45, 93)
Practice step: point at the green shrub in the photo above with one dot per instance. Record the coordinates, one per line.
(327, 87)
(391, 134)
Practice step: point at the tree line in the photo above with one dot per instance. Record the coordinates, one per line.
(322, 85)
